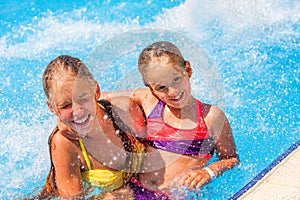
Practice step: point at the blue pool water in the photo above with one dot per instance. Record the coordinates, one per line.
(252, 72)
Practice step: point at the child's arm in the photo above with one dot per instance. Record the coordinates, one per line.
(137, 95)
(225, 147)
(129, 116)
(67, 168)
(224, 142)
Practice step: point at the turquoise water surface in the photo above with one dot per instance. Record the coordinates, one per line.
(245, 57)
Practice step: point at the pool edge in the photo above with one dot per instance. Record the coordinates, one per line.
(265, 171)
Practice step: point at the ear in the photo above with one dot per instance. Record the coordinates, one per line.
(50, 107)
(98, 91)
(188, 68)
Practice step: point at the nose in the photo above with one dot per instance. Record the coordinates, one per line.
(171, 91)
(77, 109)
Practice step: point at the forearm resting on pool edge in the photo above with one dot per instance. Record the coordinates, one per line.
(223, 165)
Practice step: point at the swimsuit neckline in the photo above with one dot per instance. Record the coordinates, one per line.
(160, 107)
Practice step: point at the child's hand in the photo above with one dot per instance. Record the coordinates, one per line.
(195, 179)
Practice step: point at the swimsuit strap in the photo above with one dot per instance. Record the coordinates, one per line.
(163, 136)
(106, 105)
(134, 148)
(157, 110)
(101, 106)
(86, 157)
(83, 149)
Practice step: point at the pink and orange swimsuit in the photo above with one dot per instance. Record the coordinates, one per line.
(162, 136)
(194, 141)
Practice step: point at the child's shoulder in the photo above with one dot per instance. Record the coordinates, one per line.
(58, 138)
(142, 91)
(62, 136)
(143, 96)
(213, 112)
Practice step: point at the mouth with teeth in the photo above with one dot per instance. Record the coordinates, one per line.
(177, 98)
(81, 123)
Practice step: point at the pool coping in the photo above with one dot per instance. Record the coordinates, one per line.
(265, 171)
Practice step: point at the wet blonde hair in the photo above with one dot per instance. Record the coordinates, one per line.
(160, 51)
(61, 64)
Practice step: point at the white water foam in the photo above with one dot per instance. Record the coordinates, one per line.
(67, 31)
(224, 24)
(24, 156)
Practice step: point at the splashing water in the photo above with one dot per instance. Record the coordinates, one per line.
(252, 50)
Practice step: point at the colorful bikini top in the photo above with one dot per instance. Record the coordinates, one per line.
(109, 180)
(194, 141)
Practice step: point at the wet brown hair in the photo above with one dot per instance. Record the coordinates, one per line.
(61, 64)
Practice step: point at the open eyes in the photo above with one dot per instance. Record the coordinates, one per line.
(161, 88)
(176, 80)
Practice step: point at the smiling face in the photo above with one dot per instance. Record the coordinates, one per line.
(167, 74)
(73, 100)
(169, 82)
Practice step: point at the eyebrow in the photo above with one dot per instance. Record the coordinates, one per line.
(84, 94)
(59, 105)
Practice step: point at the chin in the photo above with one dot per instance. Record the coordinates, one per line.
(82, 133)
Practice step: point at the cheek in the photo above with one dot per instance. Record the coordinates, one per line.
(64, 116)
(160, 95)
(90, 106)
(185, 84)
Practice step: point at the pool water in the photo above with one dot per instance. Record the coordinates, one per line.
(245, 57)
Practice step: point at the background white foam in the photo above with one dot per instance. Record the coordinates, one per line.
(244, 39)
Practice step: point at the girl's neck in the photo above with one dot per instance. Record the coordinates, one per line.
(99, 121)
(186, 111)
(184, 117)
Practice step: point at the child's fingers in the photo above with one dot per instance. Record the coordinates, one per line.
(191, 178)
(201, 183)
(195, 179)
(184, 179)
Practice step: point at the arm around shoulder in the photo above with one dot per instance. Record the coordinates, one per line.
(137, 95)
(129, 116)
